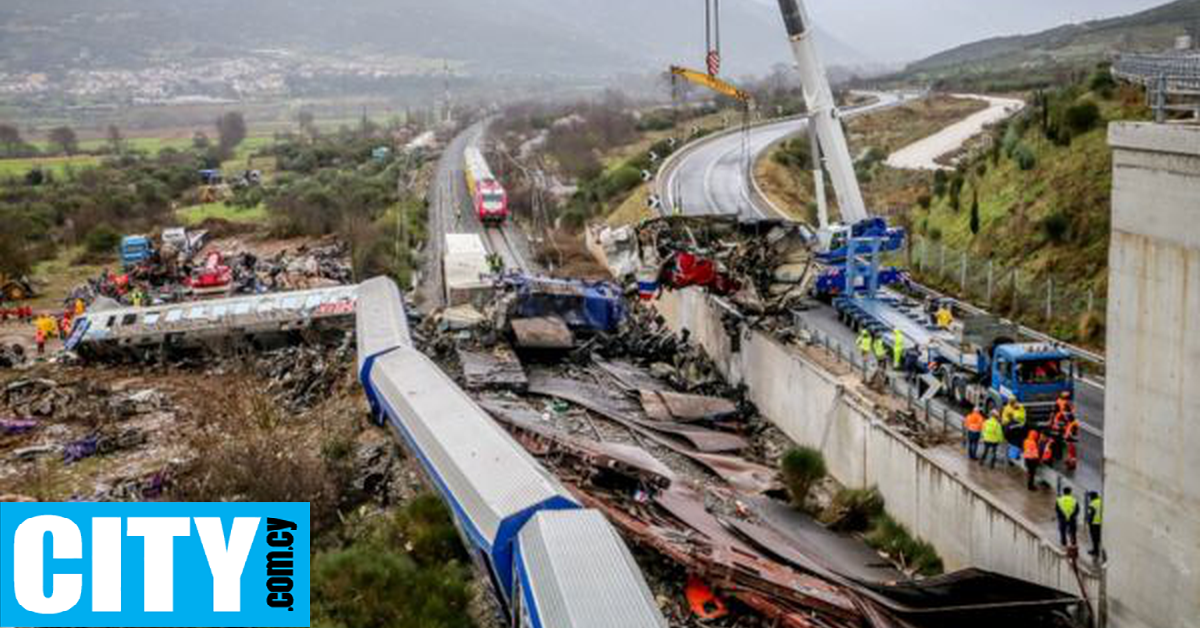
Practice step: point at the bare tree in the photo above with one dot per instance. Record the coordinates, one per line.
(116, 142)
(10, 138)
(231, 130)
(65, 139)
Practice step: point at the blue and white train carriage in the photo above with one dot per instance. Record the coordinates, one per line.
(552, 564)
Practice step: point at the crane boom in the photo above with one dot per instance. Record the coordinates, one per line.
(818, 95)
(711, 82)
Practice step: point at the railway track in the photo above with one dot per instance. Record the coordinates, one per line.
(499, 240)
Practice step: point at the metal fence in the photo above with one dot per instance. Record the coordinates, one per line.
(1045, 302)
(1172, 80)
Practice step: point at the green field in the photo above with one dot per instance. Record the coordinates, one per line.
(56, 165)
(199, 213)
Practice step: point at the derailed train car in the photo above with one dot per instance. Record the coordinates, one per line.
(507, 507)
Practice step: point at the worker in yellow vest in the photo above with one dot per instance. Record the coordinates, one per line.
(897, 348)
(880, 350)
(864, 343)
(993, 437)
(1067, 509)
(945, 318)
(1095, 519)
(1014, 412)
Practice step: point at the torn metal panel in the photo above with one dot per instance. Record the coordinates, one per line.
(498, 369)
(548, 332)
(542, 439)
(625, 412)
(686, 408)
(629, 377)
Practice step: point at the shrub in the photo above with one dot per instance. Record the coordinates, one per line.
(939, 183)
(1026, 160)
(935, 233)
(1082, 117)
(429, 532)
(802, 468)
(102, 240)
(366, 586)
(1055, 227)
(892, 538)
(924, 201)
(975, 215)
(853, 510)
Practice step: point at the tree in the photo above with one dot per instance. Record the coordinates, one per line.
(231, 130)
(200, 141)
(975, 214)
(65, 139)
(308, 123)
(116, 143)
(10, 138)
(1082, 117)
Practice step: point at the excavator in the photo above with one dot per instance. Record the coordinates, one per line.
(15, 288)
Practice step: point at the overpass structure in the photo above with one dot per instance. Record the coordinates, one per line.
(1172, 80)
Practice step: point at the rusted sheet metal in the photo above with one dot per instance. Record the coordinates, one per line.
(625, 412)
(629, 377)
(541, 439)
(543, 333)
(498, 369)
(777, 592)
(672, 406)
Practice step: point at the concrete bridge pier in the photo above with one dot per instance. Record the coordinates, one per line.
(1152, 432)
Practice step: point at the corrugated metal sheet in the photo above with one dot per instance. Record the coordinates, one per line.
(382, 323)
(581, 574)
(488, 474)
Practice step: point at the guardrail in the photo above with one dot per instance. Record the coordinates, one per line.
(1172, 80)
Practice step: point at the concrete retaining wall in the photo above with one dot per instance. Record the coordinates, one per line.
(817, 409)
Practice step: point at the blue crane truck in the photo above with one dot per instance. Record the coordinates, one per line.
(135, 249)
(978, 361)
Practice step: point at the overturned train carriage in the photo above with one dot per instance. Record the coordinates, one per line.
(501, 498)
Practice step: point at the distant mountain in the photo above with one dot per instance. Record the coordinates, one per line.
(1075, 44)
(577, 37)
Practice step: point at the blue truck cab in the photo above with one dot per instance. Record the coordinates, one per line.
(1035, 374)
(135, 250)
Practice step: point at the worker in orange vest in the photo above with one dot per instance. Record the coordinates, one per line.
(973, 426)
(39, 336)
(1032, 454)
(1064, 405)
(1071, 436)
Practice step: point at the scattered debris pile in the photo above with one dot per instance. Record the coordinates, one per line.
(640, 425)
(765, 267)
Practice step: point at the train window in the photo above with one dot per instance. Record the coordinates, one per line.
(292, 303)
(314, 301)
(219, 311)
(266, 306)
(241, 309)
(174, 315)
(128, 319)
(197, 313)
(112, 320)
(151, 319)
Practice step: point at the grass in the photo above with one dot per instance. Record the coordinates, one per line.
(56, 165)
(55, 278)
(191, 216)
(892, 538)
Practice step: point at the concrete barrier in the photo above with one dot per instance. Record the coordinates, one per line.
(924, 489)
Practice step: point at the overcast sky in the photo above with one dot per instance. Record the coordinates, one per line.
(905, 30)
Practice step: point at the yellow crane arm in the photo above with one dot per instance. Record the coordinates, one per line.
(711, 82)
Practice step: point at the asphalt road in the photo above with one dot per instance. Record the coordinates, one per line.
(712, 178)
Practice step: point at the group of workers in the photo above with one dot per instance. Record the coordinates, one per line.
(46, 326)
(1066, 509)
(872, 347)
(1035, 448)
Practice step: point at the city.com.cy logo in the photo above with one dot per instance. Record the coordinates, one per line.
(154, 564)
